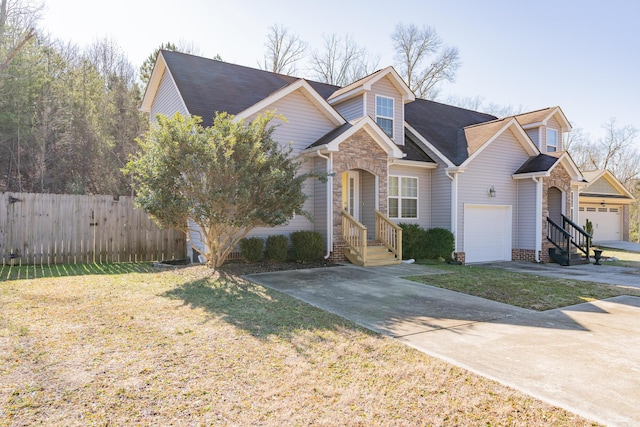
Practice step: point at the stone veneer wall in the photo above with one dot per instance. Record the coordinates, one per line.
(359, 151)
(625, 222)
(560, 179)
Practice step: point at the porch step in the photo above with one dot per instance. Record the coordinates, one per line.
(376, 256)
(560, 257)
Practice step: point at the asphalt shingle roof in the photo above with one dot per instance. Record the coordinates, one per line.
(207, 85)
(442, 125)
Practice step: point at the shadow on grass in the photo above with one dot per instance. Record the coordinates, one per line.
(261, 311)
(24, 272)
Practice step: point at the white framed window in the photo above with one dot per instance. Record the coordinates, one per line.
(403, 197)
(384, 114)
(552, 140)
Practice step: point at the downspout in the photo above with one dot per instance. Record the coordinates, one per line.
(538, 244)
(453, 176)
(329, 160)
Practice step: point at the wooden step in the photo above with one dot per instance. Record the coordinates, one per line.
(376, 256)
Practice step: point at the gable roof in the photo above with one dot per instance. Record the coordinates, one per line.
(440, 125)
(365, 83)
(236, 87)
(541, 117)
(602, 174)
(332, 140)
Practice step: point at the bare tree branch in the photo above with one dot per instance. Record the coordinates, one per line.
(18, 20)
(342, 61)
(413, 46)
(284, 50)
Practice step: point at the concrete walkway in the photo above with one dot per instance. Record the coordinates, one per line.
(619, 244)
(584, 358)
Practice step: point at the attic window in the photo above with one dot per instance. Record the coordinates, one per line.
(384, 114)
(552, 140)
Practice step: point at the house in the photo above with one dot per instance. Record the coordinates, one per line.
(503, 186)
(605, 202)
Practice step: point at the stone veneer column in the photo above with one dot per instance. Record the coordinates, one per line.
(560, 179)
(359, 151)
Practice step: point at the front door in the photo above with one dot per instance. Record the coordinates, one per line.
(351, 192)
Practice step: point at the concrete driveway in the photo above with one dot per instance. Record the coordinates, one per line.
(584, 358)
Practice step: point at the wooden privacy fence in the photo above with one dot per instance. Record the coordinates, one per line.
(60, 228)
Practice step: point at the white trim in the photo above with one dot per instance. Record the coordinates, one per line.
(546, 140)
(372, 128)
(430, 146)
(412, 163)
(400, 197)
(525, 141)
(538, 218)
(301, 84)
(159, 68)
(366, 83)
(391, 117)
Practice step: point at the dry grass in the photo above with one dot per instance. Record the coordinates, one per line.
(625, 259)
(524, 290)
(181, 347)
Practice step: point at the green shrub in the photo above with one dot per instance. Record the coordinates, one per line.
(439, 243)
(413, 241)
(252, 249)
(306, 245)
(276, 248)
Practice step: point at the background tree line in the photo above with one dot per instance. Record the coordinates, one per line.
(69, 116)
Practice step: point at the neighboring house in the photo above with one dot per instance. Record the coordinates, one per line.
(391, 158)
(605, 202)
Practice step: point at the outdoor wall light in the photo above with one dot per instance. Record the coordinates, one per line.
(492, 191)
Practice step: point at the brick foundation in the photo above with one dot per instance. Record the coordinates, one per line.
(337, 254)
(528, 255)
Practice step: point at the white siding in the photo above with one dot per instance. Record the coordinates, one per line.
(525, 215)
(384, 87)
(320, 198)
(304, 123)
(351, 109)
(552, 123)
(493, 167)
(424, 193)
(534, 134)
(602, 186)
(167, 100)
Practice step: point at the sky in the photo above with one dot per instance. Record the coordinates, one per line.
(582, 55)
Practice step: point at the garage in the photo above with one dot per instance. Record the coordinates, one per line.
(607, 221)
(487, 233)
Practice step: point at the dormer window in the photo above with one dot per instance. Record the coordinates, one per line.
(384, 114)
(552, 140)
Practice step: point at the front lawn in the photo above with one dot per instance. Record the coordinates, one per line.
(523, 290)
(185, 347)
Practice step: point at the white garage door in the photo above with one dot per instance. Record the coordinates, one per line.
(487, 233)
(607, 221)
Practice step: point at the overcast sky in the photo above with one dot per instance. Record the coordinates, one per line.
(581, 55)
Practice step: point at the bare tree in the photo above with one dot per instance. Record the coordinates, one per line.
(413, 47)
(478, 103)
(616, 151)
(17, 26)
(284, 50)
(342, 61)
